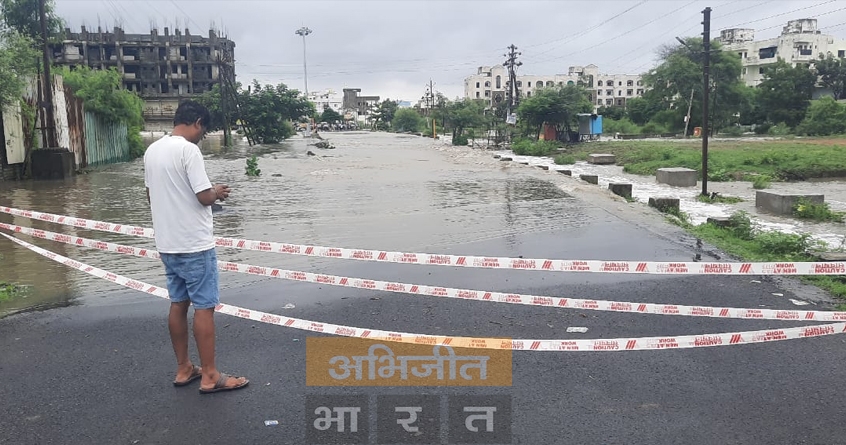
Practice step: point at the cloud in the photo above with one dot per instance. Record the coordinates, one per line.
(393, 48)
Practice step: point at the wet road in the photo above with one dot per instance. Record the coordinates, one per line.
(100, 372)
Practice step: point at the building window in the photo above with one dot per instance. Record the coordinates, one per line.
(529, 84)
(487, 93)
(761, 70)
(478, 94)
(619, 92)
(740, 54)
(629, 83)
(609, 83)
(629, 92)
(477, 85)
(599, 92)
(599, 102)
(609, 101)
(640, 83)
(570, 82)
(767, 53)
(744, 71)
(590, 97)
(550, 83)
(487, 84)
(841, 53)
(620, 102)
(498, 82)
(519, 83)
(528, 94)
(620, 83)
(640, 92)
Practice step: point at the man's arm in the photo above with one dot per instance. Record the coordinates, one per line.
(207, 197)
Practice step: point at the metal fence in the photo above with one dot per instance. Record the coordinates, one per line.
(105, 141)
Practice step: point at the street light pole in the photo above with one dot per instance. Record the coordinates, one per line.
(304, 31)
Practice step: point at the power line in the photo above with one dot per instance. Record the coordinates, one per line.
(779, 15)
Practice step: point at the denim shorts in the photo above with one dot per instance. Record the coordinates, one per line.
(193, 276)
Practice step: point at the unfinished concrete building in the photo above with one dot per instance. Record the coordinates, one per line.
(162, 69)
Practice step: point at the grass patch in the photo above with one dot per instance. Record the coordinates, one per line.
(9, 291)
(527, 147)
(816, 212)
(795, 159)
(719, 199)
(565, 160)
(761, 182)
(744, 242)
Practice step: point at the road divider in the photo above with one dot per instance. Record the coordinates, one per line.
(460, 294)
(585, 345)
(585, 266)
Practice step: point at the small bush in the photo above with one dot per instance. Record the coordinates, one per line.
(780, 129)
(460, 140)
(527, 147)
(653, 128)
(762, 129)
(565, 160)
(719, 199)
(778, 243)
(734, 131)
(816, 212)
(761, 182)
(252, 167)
(622, 126)
(741, 226)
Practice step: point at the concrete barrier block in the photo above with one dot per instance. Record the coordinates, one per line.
(624, 190)
(543, 167)
(593, 179)
(566, 172)
(524, 162)
(664, 204)
(783, 203)
(506, 158)
(602, 159)
(497, 156)
(677, 176)
(720, 221)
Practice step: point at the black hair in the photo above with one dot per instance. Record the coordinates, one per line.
(189, 112)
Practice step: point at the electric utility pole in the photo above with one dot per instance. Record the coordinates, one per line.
(50, 120)
(304, 31)
(706, 88)
(511, 63)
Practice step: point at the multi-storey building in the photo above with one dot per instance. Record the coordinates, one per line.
(356, 106)
(490, 83)
(800, 42)
(326, 99)
(162, 69)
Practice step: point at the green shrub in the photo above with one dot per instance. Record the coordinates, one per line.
(780, 129)
(741, 226)
(526, 147)
(778, 243)
(252, 167)
(565, 160)
(824, 117)
(761, 182)
(460, 140)
(762, 129)
(622, 126)
(817, 212)
(653, 128)
(734, 131)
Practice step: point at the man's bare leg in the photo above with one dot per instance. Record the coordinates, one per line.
(177, 322)
(205, 337)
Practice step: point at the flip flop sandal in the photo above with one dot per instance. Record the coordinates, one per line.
(221, 385)
(195, 374)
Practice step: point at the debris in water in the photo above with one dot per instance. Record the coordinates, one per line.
(798, 302)
(778, 295)
(755, 281)
(271, 422)
(577, 330)
(289, 306)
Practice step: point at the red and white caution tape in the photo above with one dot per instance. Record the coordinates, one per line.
(595, 266)
(461, 294)
(618, 344)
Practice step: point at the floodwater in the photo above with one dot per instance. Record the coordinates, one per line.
(375, 191)
(644, 187)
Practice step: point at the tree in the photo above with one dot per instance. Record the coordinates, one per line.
(407, 119)
(615, 113)
(331, 116)
(640, 110)
(832, 74)
(384, 114)
(23, 17)
(825, 117)
(786, 91)
(680, 72)
(555, 106)
(18, 62)
(101, 92)
(269, 109)
(464, 114)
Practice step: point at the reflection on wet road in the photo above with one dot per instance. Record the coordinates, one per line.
(375, 191)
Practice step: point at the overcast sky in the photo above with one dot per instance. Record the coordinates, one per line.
(392, 48)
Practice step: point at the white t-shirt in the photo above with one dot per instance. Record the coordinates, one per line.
(174, 172)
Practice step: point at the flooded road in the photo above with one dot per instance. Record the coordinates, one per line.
(375, 191)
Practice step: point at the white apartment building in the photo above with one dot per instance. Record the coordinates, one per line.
(326, 98)
(490, 83)
(800, 42)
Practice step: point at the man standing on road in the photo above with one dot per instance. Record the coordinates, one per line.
(180, 196)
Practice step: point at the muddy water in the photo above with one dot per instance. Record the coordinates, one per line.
(833, 234)
(375, 191)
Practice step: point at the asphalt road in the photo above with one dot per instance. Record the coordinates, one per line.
(102, 374)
